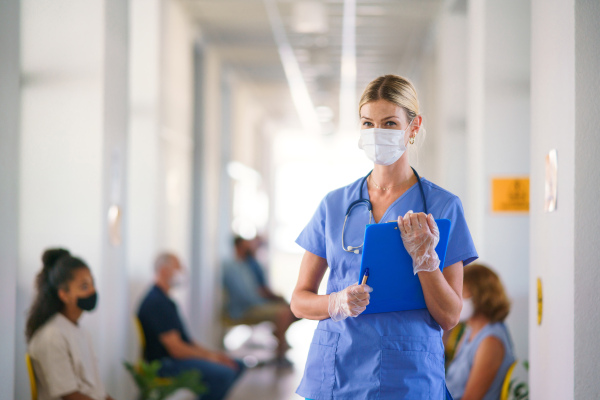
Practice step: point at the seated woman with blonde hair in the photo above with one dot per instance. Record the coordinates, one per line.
(486, 352)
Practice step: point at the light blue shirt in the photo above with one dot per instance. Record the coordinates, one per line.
(242, 288)
(397, 355)
(460, 368)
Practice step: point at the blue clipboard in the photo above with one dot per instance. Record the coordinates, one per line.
(395, 287)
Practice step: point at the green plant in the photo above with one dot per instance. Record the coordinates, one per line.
(519, 390)
(154, 387)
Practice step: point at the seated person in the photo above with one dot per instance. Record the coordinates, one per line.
(248, 297)
(167, 339)
(250, 248)
(61, 351)
(485, 352)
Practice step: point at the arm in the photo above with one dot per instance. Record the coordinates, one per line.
(486, 364)
(306, 303)
(442, 293)
(179, 349)
(266, 293)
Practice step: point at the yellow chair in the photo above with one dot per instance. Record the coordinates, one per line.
(142, 340)
(504, 394)
(141, 336)
(32, 381)
(452, 342)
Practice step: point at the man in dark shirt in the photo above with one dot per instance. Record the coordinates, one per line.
(168, 341)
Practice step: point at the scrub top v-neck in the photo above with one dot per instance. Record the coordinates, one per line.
(377, 356)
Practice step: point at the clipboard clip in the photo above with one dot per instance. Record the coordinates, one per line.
(393, 220)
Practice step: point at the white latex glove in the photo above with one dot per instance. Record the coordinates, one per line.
(420, 235)
(349, 302)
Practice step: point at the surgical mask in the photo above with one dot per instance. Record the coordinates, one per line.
(88, 303)
(382, 146)
(467, 310)
(177, 280)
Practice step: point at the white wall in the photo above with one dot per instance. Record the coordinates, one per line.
(143, 155)
(208, 164)
(587, 213)
(551, 345)
(176, 137)
(450, 119)
(61, 194)
(9, 191)
(498, 144)
(116, 327)
(160, 152)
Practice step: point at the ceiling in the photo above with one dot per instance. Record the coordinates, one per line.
(392, 36)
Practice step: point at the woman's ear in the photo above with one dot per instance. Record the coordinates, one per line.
(63, 295)
(416, 125)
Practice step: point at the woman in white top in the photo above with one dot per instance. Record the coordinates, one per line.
(61, 351)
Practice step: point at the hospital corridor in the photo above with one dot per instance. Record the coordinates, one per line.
(299, 199)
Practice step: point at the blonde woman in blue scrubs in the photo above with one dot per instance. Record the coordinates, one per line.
(397, 355)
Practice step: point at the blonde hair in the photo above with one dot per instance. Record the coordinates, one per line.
(395, 89)
(489, 297)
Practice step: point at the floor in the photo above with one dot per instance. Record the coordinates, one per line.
(255, 345)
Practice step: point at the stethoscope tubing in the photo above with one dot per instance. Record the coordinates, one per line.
(369, 205)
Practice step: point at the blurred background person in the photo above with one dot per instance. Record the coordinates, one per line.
(250, 249)
(248, 298)
(485, 352)
(61, 351)
(168, 341)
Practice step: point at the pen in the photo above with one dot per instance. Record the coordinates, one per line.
(365, 276)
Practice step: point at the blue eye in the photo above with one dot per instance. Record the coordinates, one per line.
(390, 123)
(367, 123)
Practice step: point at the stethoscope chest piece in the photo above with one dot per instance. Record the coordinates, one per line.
(366, 203)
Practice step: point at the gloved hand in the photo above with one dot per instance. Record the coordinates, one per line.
(349, 302)
(420, 235)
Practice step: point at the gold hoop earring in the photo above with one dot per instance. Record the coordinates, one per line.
(412, 140)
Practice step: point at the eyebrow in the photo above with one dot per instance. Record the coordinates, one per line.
(390, 117)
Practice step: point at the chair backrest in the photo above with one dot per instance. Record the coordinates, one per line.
(141, 336)
(506, 384)
(453, 340)
(31, 372)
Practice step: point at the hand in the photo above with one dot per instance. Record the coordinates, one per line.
(221, 358)
(420, 236)
(349, 302)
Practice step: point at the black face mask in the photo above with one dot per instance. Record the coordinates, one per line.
(88, 303)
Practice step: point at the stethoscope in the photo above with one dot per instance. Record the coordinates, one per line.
(367, 203)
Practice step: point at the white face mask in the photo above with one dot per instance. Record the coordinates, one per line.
(177, 280)
(467, 310)
(382, 146)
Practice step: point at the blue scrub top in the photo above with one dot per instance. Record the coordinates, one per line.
(396, 355)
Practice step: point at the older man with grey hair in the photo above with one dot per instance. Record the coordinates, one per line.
(168, 341)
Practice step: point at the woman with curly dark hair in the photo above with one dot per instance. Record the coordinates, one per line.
(61, 351)
(486, 352)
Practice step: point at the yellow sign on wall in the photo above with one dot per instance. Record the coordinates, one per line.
(540, 300)
(510, 194)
